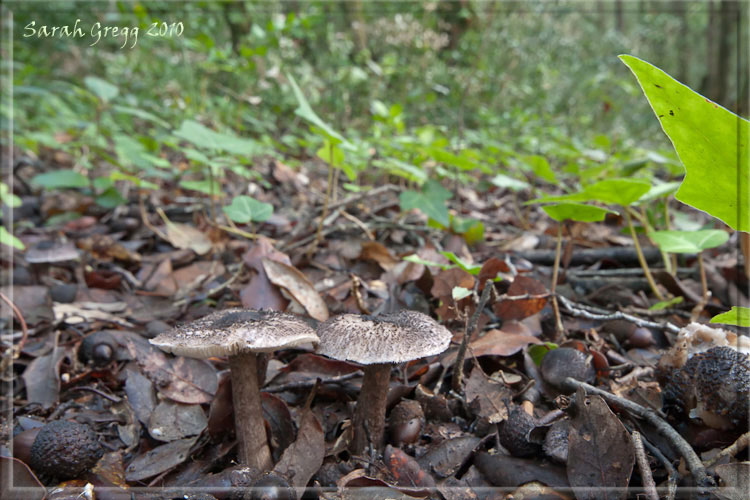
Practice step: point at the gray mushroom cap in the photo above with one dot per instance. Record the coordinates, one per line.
(232, 331)
(387, 338)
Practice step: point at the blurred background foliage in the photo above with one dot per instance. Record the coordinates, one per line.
(480, 86)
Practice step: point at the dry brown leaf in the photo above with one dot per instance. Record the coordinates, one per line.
(186, 236)
(298, 286)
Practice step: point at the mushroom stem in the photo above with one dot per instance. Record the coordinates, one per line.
(369, 417)
(248, 413)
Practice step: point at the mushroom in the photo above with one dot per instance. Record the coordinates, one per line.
(241, 335)
(378, 342)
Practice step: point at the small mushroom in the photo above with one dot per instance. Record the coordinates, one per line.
(406, 422)
(378, 342)
(64, 450)
(241, 335)
(713, 386)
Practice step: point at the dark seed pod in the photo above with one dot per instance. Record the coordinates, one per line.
(641, 337)
(98, 348)
(556, 441)
(406, 422)
(65, 449)
(272, 486)
(515, 434)
(563, 362)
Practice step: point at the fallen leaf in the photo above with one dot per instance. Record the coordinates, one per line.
(405, 470)
(17, 482)
(298, 286)
(186, 236)
(373, 250)
(522, 308)
(172, 421)
(42, 378)
(160, 459)
(488, 399)
(449, 455)
(506, 471)
(302, 459)
(600, 451)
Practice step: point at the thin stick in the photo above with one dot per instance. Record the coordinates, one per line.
(458, 365)
(329, 187)
(307, 384)
(580, 312)
(641, 258)
(694, 464)
(555, 270)
(646, 476)
(742, 442)
(24, 328)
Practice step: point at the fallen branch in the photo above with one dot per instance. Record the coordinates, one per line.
(579, 311)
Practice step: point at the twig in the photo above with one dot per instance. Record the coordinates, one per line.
(111, 397)
(694, 464)
(307, 384)
(359, 223)
(555, 270)
(742, 442)
(146, 222)
(646, 476)
(458, 365)
(672, 475)
(580, 311)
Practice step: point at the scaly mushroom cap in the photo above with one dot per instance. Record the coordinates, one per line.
(387, 338)
(229, 332)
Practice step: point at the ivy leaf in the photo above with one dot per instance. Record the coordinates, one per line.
(431, 201)
(739, 316)
(689, 241)
(305, 111)
(244, 209)
(711, 141)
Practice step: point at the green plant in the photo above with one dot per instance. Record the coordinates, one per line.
(712, 143)
(11, 200)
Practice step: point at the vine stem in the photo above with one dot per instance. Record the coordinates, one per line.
(641, 258)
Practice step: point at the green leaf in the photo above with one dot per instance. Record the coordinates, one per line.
(739, 316)
(538, 351)
(471, 269)
(617, 191)
(205, 186)
(101, 88)
(577, 212)
(331, 154)
(504, 181)
(689, 241)
(137, 181)
(459, 292)
(402, 169)
(418, 260)
(8, 198)
(667, 303)
(540, 166)
(58, 179)
(305, 111)
(8, 239)
(431, 201)
(139, 113)
(659, 190)
(206, 138)
(110, 198)
(711, 141)
(244, 209)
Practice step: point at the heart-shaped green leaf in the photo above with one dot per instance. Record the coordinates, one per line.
(689, 241)
(244, 209)
(711, 141)
(576, 211)
(739, 316)
(431, 201)
(204, 137)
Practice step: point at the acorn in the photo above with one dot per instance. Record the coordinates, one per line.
(65, 449)
(563, 362)
(406, 422)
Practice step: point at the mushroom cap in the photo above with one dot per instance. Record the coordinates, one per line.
(232, 331)
(387, 338)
